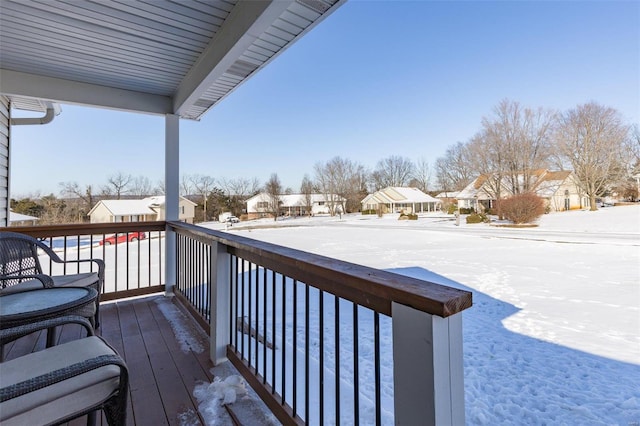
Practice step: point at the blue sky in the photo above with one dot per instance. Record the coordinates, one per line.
(375, 79)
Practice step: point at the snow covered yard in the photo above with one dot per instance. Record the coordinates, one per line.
(554, 334)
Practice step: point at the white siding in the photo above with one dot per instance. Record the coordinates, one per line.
(4, 161)
(100, 214)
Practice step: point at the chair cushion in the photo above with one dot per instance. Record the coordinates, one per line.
(63, 399)
(85, 279)
(24, 285)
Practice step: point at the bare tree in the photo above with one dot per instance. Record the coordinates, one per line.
(159, 188)
(203, 185)
(421, 175)
(306, 189)
(326, 180)
(633, 164)
(392, 171)
(489, 160)
(141, 186)
(238, 191)
(117, 185)
(339, 180)
(628, 185)
(186, 185)
(357, 188)
(85, 194)
(454, 170)
(517, 142)
(241, 186)
(591, 138)
(273, 188)
(632, 150)
(55, 211)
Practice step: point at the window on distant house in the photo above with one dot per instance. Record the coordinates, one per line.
(263, 204)
(181, 209)
(321, 203)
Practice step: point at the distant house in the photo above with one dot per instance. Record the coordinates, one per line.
(448, 197)
(559, 188)
(145, 210)
(394, 199)
(18, 219)
(258, 206)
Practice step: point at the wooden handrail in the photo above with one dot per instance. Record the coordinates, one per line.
(86, 228)
(365, 286)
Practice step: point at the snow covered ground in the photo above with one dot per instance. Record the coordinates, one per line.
(554, 333)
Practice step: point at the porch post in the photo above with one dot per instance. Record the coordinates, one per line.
(220, 303)
(171, 192)
(427, 368)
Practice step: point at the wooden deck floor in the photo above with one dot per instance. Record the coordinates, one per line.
(163, 371)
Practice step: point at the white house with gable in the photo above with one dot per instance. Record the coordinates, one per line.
(258, 206)
(145, 210)
(395, 199)
(560, 189)
(18, 219)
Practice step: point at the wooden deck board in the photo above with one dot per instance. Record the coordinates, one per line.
(162, 373)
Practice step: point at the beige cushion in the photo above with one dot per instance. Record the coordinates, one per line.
(85, 279)
(24, 285)
(62, 399)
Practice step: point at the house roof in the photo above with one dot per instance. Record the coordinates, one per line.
(448, 194)
(19, 217)
(159, 200)
(551, 182)
(158, 57)
(291, 200)
(470, 191)
(125, 207)
(396, 194)
(546, 184)
(135, 207)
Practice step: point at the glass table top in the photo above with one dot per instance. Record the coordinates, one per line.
(38, 300)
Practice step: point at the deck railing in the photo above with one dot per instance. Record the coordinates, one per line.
(134, 262)
(321, 340)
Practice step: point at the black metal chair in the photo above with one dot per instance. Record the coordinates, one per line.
(63, 382)
(20, 268)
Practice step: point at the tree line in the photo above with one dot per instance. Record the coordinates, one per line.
(513, 141)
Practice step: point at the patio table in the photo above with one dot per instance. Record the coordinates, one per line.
(25, 307)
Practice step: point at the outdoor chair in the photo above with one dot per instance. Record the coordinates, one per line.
(63, 382)
(20, 268)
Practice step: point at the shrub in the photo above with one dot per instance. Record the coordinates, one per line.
(370, 211)
(522, 208)
(477, 218)
(452, 209)
(409, 216)
(467, 210)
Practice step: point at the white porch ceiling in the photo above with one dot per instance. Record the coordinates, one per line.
(153, 56)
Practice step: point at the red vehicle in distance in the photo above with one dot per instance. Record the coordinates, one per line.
(123, 237)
